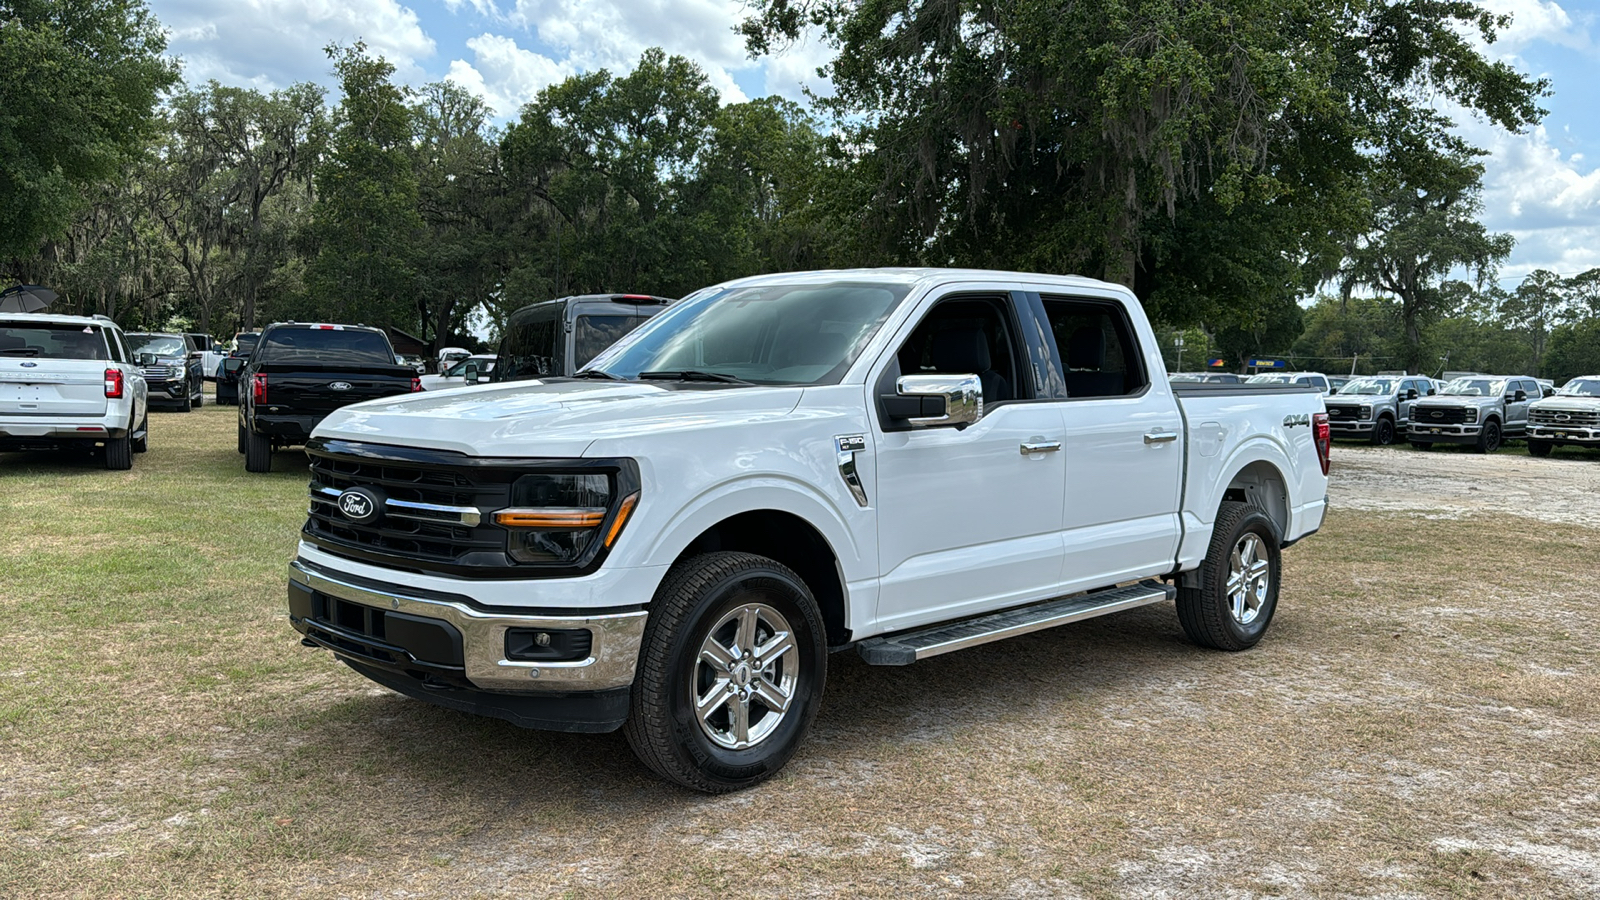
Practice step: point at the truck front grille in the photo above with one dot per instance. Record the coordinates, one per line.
(415, 533)
(1557, 418)
(1341, 412)
(1438, 415)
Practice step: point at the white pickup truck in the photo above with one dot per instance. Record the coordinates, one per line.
(901, 461)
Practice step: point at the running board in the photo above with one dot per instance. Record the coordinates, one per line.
(907, 647)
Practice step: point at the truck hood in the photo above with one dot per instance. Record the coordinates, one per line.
(1456, 401)
(561, 419)
(1572, 403)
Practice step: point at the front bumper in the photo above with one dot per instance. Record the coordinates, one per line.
(1348, 427)
(1444, 434)
(445, 646)
(164, 389)
(1564, 435)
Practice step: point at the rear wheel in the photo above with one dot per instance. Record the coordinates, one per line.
(1237, 591)
(1540, 448)
(1383, 432)
(730, 673)
(1489, 437)
(118, 453)
(257, 452)
(241, 438)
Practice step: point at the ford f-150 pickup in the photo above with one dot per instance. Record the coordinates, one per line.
(905, 462)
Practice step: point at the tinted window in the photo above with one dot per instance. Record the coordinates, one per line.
(52, 341)
(1096, 346)
(310, 344)
(593, 334)
(966, 336)
(247, 342)
(528, 349)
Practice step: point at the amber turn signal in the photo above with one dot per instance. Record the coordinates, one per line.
(623, 512)
(549, 518)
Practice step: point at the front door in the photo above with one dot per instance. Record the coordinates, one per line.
(969, 519)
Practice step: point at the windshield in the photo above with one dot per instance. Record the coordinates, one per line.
(1581, 387)
(1474, 387)
(1186, 378)
(1380, 386)
(334, 344)
(158, 344)
(485, 365)
(247, 342)
(52, 341)
(799, 334)
(1270, 379)
(593, 334)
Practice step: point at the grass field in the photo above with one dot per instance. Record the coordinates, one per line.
(1423, 720)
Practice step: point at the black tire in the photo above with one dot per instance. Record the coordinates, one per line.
(690, 609)
(241, 437)
(200, 397)
(257, 452)
(141, 445)
(1540, 448)
(118, 453)
(1383, 432)
(1422, 445)
(1489, 437)
(188, 403)
(1207, 611)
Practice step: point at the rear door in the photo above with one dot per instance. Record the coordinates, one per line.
(52, 370)
(1123, 449)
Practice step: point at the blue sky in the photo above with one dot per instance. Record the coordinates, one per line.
(1542, 186)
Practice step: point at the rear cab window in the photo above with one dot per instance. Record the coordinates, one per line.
(313, 343)
(1095, 340)
(593, 333)
(46, 341)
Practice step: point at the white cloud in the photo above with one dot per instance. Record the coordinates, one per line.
(504, 75)
(1539, 20)
(485, 8)
(273, 43)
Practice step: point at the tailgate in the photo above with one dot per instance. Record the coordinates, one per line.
(303, 391)
(52, 387)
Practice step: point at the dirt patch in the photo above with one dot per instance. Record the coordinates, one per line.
(1445, 484)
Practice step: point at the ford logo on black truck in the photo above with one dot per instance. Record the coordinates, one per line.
(360, 505)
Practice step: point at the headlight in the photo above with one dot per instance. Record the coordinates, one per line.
(1366, 412)
(1472, 415)
(555, 518)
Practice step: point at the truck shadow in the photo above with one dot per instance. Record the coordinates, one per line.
(490, 764)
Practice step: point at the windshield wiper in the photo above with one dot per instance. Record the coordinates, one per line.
(596, 373)
(691, 375)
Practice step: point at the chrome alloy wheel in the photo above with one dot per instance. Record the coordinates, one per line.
(1249, 579)
(745, 676)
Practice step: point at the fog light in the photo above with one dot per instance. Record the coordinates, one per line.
(548, 644)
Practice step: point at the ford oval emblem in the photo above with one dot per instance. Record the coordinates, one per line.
(30, 365)
(360, 505)
(340, 385)
(1437, 415)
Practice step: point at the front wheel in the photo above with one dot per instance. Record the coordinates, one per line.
(1383, 432)
(1237, 590)
(200, 397)
(1540, 448)
(1489, 437)
(730, 673)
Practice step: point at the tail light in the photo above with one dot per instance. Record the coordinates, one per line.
(416, 384)
(114, 383)
(258, 387)
(1324, 438)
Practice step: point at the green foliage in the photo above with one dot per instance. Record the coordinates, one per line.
(80, 83)
(365, 226)
(1574, 350)
(1343, 332)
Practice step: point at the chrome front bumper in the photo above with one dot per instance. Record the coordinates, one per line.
(1579, 434)
(613, 654)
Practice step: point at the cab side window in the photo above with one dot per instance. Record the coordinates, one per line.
(968, 336)
(1097, 347)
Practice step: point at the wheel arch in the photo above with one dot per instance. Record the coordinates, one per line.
(1261, 484)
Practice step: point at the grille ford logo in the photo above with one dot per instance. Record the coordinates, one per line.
(1436, 414)
(360, 505)
(340, 385)
(29, 365)
(1562, 417)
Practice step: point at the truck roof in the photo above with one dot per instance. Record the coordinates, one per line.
(57, 319)
(922, 275)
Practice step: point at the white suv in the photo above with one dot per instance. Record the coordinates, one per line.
(69, 381)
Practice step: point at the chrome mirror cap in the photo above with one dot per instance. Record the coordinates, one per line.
(962, 394)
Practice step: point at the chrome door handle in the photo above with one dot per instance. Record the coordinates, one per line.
(1160, 437)
(1040, 447)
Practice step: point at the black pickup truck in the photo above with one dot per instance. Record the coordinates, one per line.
(300, 372)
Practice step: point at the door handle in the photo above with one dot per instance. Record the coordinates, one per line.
(1160, 437)
(1040, 447)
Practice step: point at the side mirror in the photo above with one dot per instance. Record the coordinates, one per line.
(962, 397)
(1519, 396)
(1411, 393)
(470, 373)
(144, 359)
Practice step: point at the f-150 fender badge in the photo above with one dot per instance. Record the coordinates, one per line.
(1301, 419)
(848, 445)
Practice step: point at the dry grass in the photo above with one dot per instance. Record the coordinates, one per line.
(1423, 720)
